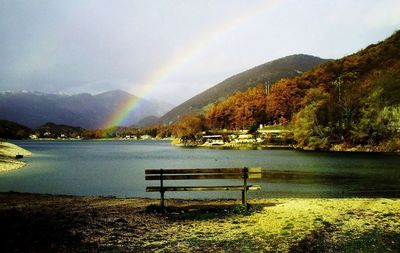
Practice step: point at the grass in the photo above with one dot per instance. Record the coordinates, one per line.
(101, 224)
(300, 225)
(288, 225)
(8, 151)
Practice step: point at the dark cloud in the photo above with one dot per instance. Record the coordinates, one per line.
(93, 46)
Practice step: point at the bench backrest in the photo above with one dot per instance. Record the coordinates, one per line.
(202, 173)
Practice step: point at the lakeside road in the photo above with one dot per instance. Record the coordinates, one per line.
(8, 151)
(49, 223)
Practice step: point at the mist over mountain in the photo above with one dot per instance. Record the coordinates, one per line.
(267, 73)
(34, 109)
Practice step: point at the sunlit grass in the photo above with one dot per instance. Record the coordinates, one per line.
(8, 151)
(286, 226)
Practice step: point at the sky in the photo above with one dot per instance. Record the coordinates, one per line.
(173, 50)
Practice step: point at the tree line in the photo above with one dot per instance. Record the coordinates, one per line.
(351, 101)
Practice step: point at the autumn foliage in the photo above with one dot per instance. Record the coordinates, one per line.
(188, 126)
(240, 110)
(353, 100)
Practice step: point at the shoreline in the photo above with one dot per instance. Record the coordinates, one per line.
(59, 223)
(8, 152)
(250, 146)
(333, 149)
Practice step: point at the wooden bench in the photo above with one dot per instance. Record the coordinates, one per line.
(205, 174)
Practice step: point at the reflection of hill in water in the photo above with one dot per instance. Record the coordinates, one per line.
(330, 184)
(302, 177)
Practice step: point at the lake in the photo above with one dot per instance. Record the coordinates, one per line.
(117, 168)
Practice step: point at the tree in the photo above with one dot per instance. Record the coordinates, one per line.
(284, 100)
(380, 114)
(240, 110)
(189, 126)
(308, 129)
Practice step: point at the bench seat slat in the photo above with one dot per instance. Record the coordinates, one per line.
(203, 188)
(201, 170)
(203, 176)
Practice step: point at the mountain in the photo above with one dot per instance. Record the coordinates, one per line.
(51, 130)
(352, 102)
(34, 109)
(147, 121)
(12, 130)
(266, 73)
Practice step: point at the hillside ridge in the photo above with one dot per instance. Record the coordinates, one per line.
(270, 72)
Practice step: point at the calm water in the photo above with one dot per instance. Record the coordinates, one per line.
(117, 168)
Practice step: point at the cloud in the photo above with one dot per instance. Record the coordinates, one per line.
(93, 46)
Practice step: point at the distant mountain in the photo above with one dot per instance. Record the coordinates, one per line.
(267, 73)
(34, 109)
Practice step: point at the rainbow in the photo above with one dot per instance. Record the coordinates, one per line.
(184, 55)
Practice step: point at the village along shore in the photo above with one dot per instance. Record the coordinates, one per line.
(267, 138)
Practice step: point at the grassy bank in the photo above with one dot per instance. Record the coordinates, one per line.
(8, 151)
(93, 224)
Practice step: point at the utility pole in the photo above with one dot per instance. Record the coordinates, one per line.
(267, 87)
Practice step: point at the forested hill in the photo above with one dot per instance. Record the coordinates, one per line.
(269, 72)
(347, 102)
(12, 130)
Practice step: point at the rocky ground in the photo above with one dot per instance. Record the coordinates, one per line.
(46, 223)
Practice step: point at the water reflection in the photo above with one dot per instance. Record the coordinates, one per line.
(329, 184)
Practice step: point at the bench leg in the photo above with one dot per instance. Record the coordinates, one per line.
(162, 200)
(244, 199)
(244, 192)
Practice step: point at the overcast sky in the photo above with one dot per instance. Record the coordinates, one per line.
(172, 50)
